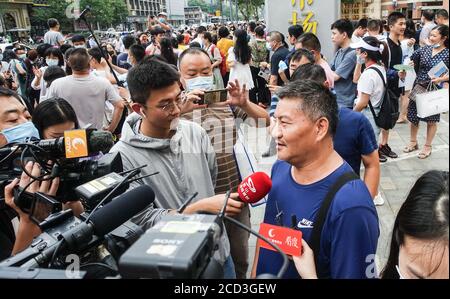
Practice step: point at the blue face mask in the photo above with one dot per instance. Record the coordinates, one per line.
(51, 62)
(162, 20)
(21, 133)
(435, 46)
(268, 46)
(203, 83)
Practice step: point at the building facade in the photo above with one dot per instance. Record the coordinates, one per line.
(411, 8)
(140, 10)
(361, 9)
(175, 11)
(194, 15)
(14, 18)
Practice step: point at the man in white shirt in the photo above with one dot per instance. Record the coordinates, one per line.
(360, 30)
(87, 93)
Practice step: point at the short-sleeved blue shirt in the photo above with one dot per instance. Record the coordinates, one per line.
(350, 233)
(343, 65)
(354, 138)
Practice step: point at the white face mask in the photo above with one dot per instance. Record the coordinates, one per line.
(203, 83)
(51, 62)
(80, 46)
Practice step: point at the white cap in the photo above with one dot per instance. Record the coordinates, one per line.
(361, 44)
(162, 13)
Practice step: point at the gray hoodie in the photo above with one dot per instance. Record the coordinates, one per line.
(186, 164)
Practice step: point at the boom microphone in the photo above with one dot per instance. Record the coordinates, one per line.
(84, 12)
(255, 187)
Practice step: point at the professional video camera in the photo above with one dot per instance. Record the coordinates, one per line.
(181, 246)
(64, 234)
(73, 158)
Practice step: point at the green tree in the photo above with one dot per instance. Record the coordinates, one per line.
(205, 6)
(105, 12)
(250, 9)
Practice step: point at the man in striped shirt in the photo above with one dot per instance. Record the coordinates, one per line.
(221, 122)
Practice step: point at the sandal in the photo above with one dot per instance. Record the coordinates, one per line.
(412, 147)
(425, 154)
(402, 120)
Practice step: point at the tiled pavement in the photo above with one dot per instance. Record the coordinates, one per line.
(397, 177)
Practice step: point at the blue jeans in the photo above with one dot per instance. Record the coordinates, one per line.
(228, 269)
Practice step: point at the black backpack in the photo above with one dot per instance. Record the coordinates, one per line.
(389, 110)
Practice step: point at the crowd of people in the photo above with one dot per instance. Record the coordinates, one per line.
(322, 116)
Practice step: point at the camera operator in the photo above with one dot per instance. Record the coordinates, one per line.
(27, 229)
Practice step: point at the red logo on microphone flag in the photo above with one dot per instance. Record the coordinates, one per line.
(289, 240)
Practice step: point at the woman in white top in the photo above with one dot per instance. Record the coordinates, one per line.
(216, 58)
(53, 57)
(239, 58)
(371, 83)
(407, 43)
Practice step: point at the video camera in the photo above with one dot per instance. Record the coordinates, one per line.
(73, 158)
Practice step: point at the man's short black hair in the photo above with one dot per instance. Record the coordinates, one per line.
(252, 26)
(138, 52)
(128, 41)
(157, 31)
(428, 14)
(78, 38)
(315, 99)
(300, 53)
(394, 17)
(201, 29)
(150, 75)
(295, 31)
(8, 93)
(192, 51)
(309, 71)
(443, 13)
(224, 32)
(96, 54)
(259, 31)
(52, 23)
(343, 25)
(310, 41)
(362, 23)
(374, 25)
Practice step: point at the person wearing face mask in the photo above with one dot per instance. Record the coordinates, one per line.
(175, 147)
(53, 57)
(78, 41)
(370, 84)
(280, 52)
(17, 68)
(196, 76)
(427, 57)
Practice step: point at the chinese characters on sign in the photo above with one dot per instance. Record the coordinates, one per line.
(308, 24)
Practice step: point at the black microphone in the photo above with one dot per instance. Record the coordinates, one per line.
(102, 222)
(84, 12)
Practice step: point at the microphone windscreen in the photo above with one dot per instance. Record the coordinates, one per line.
(255, 187)
(100, 141)
(121, 209)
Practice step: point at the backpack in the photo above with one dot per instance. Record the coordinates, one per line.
(389, 109)
(223, 65)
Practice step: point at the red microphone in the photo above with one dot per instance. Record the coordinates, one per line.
(255, 187)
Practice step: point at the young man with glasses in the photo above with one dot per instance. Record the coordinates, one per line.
(179, 150)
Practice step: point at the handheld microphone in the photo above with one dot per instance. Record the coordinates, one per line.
(255, 187)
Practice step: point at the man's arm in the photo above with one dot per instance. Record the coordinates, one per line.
(255, 261)
(372, 172)
(119, 105)
(362, 103)
(239, 97)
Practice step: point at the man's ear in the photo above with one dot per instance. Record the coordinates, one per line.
(322, 127)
